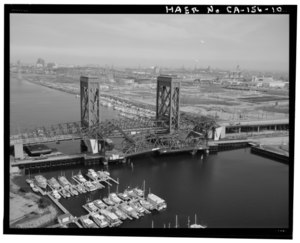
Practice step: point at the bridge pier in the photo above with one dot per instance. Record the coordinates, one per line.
(18, 151)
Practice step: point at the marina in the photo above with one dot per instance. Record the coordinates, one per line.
(108, 211)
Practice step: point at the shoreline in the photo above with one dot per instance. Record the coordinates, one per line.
(26, 208)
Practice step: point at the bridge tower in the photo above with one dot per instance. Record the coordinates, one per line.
(168, 101)
(89, 101)
(89, 109)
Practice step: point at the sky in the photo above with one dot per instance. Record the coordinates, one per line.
(257, 42)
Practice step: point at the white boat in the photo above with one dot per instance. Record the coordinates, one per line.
(34, 188)
(80, 188)
(108, 201)
(92, 207)
(197, 226)
(102, 175)
(113, 197)
(146, 204)
(80, 178)
(73, 191)
(158, 203)
(90, 186)
(56, 194)
(54, 183)
(113, 219)
(138, 192)
(100, 204)
(29, 181)
(100, 220)
(131, 194)
(119, 213)
(124, 196)
(64, 182)
(128, 210)
(87, 223)
(137, 207)
(41, 181)
(92, 174)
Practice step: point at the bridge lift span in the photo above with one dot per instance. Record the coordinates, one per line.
(139, 135)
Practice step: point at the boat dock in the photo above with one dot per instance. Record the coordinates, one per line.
(137, 210)
(103, 180)
(113, 180)
(62, 208)
(58, 204)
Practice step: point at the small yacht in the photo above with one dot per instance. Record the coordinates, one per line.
(108, 201)
(124, 196)
(113, 197)
(197, 226)
(100, 204)
(100, 220)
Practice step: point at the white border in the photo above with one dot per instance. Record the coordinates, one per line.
(76, 239)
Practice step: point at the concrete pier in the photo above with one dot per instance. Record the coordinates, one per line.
(271, 154)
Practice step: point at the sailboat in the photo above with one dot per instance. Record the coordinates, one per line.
(176, 222)
(197, 226)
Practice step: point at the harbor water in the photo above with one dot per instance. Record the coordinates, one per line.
(231, 189)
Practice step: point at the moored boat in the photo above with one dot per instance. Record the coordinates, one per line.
(80, 188)
(131, 194)
(54, 183)
(103, 174)
(138, 208)
(90, 186)
(119, 213)
(65, 192)
(91, 207)
(158, 203)
(113, 197)
(73, 191)
(34, 187)
(56, 194)
(100, 220)
(113, 219)
(108, 201)
(100, 204)
(87, 222)
(29, 181)
(92, 174)
(64, 182)
(197, 226)
(124, 196)
(138, 192)
(41, 181)
(146, 204)
(128, 210)
(80, 178)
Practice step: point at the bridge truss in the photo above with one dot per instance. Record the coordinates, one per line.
(137, 135)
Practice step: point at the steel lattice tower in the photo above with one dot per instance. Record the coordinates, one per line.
(89, 101)
(168, 101)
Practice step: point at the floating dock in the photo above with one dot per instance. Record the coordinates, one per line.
(62, 208)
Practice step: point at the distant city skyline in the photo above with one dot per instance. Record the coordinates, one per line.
(257, 42)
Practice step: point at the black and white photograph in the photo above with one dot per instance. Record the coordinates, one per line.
(151, 118)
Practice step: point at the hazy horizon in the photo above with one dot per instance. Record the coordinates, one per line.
(255, 42)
